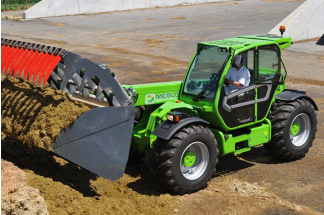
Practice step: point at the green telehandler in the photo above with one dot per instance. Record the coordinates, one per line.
(186, 125)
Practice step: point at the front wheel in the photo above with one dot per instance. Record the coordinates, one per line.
(294, 126)
(185, 163)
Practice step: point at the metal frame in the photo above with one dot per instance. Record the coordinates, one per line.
(232, 95)
(61, 69)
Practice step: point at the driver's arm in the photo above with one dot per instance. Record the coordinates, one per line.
(235, 83)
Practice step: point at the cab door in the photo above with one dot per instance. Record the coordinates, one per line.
(267, 80)
(238, 107)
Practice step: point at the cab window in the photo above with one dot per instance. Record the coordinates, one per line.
(269, 65)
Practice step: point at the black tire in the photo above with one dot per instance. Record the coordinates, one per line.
(139, 111)
(282, 115)
(134, 155)
(166, 155)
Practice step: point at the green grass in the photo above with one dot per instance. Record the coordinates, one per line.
(17, 4)
(15, 7)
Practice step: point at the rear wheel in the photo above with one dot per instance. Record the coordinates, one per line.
(186, 162)
(294, 125)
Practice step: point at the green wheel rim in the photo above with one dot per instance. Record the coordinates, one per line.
(294, 128)
(300, 130)
(198, 154)
(188, 159)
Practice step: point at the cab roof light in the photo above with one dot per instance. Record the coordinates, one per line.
(282, 29)
(222, 49)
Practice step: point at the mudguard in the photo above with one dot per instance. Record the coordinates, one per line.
(167, 129)
(292, 95)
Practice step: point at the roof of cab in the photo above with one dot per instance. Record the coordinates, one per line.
(243, 41)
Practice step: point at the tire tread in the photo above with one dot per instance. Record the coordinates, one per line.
(279, 116)
(161, 158)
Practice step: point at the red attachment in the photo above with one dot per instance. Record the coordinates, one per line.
(4, 49)
(9, 50)
(30, 61)
(32, 64)
(7, 53)
(3, 42)
(41, 62)
(51, 66)
(14, 58)
(8, 58)
(19, 60)
(29, 58)
(47, 68)
(24, 61)
(38, 57)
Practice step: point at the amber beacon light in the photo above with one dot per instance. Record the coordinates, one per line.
(282, 29)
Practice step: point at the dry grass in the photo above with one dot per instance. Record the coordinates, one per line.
(59, 24)
(178, 17)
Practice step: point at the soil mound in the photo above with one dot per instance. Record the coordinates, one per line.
(69, 189)
(16, 196)
(244, 188)
(36, 115)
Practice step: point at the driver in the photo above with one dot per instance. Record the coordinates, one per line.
(237, 76)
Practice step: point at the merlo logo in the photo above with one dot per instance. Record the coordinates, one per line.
(150, 99)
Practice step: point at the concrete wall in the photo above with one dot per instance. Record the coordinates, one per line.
(47, 8)
(306, 22)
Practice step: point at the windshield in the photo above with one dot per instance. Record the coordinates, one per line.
(203, 70)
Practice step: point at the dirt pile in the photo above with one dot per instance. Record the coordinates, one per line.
(69, 189)
(16, 196)
(35, 115)
(244, 188)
